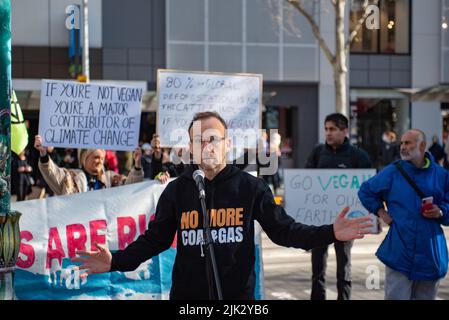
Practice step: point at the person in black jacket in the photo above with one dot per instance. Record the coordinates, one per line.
(389, 149)
(437, 150)
(234, 200)
(147, 154)
(337, 152)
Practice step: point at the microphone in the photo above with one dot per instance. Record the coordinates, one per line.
(198, 177)
(207, 242)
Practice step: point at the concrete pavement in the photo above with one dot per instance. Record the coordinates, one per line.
(288, 272)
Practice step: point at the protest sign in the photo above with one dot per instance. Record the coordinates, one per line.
(84, 115)
(236, 97)
(316, 196)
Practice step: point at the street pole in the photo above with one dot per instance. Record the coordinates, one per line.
(5, 106)
(86, 70)
(9, 220)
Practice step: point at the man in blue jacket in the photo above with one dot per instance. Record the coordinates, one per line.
(414, 251)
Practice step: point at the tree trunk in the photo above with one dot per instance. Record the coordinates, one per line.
(340, 91)
(340, 68)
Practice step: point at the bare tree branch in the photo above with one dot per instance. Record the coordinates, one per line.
(275, 14)
(283, 18)
(315, 29)
(359, 24)
(289, 19)
(340, 54)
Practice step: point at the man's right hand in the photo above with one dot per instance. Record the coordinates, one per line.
(383, 214)
(94, 262)
(38, 145)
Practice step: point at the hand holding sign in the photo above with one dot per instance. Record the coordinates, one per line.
(163, 177)
(38, 145)
(89, 116)
(94, 262)
(349, 229)
(137, 155)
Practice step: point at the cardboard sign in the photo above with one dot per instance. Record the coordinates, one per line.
(83, 115)
(316, 196)
(236, 97)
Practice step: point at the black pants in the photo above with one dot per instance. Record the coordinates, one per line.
(319, 264)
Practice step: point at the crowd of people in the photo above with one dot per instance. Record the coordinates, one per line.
(390, 149)
(414, 250)
(233, 190)
(165, 163)
(30, 179)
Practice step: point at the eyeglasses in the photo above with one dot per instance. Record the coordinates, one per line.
(213, 140)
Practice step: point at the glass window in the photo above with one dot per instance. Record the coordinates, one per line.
(296, 28)
(259, 28)
(186, 27)
(372, 120)
(186, 56)
(303, 68)
(220, 28)
(394, 34)
(220, 58)
(263, 59)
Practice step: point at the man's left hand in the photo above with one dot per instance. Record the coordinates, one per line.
(349, 229)
(433, 213)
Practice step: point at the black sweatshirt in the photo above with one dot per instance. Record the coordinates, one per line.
(236, 199)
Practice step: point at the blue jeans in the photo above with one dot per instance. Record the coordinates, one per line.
(399, 287)
(319, 264)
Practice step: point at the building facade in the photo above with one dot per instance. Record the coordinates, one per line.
(130, 40)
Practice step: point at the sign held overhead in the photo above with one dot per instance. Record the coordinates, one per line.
(83, 115)
(236, 97)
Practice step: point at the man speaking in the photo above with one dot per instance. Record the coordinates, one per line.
(234, 199)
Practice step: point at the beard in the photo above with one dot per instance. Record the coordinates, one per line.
(210, 162)
(410, 155)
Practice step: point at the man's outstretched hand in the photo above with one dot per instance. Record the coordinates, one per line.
(349, 229)
(94, 261)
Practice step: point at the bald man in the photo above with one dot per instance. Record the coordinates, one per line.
(414, 250)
